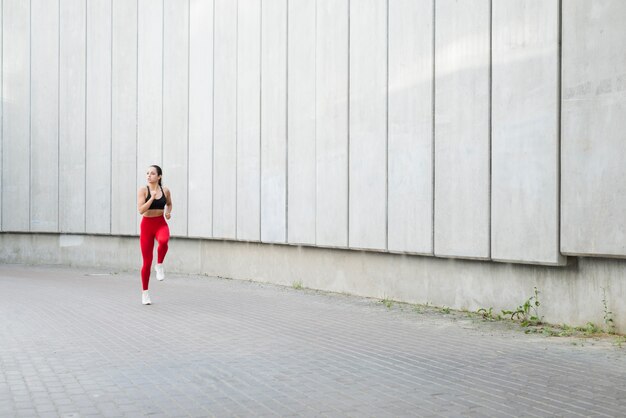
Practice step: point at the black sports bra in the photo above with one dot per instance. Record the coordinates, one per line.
(157, 203)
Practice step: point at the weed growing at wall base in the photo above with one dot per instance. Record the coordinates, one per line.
(608, 315)
(619, 341)
(487, 314)
(387, 302)
(528, 316)
(528, 312)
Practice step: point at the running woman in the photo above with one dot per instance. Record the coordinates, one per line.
(154, 202)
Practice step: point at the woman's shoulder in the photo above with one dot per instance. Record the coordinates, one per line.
(142, 189)
(166, 190)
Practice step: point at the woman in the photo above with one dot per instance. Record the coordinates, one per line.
(154, 202)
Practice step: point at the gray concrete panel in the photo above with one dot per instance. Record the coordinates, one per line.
(301, 122)
(525, 132)
(149, 87)
(200, 218)
(274, 120)
(462, 149)
(410, 199)
(368, 124)
(72, 96)
(331, 97)
(176, 109)
(1, 113)
(98, 140)
(124, 118)
(249, 120)
(44, 119)
(593, 147)
(225, 121)
(16, 114)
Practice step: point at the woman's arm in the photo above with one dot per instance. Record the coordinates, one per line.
(168, 203)
(142, 205)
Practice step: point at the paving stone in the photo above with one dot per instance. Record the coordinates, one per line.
(45, 407)
(76, 345)
(53, 414)
(26, 413)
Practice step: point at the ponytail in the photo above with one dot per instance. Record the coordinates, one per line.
(159, 172)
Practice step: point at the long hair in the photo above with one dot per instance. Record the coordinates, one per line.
(159, 172)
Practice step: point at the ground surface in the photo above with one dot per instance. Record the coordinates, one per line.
(77, 342)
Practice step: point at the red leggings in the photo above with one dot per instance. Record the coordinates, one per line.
(152, 228)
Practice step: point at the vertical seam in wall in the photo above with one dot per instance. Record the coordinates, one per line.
(559, 75)
(85, 127)
(188, 102)
(286, 201)
(213, 128)
(387, 135)
(137, 109)
(2, 114)
(261, 123)
(348, 108)
(432, 151)
(30, 111)
(489, 227)
(315, 124)
(58, 119)
(236, 109)
(162, 76)
(111, 128)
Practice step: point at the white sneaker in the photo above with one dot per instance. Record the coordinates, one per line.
(160, 271)
(145, 298)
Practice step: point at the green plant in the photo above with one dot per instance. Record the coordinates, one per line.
(387, 302)
(566, 331)
(417, 309)
(619, 340)
(488, 314)
(528, 312)
(608, 315)
(445, 310)
(297, 285)
(590, 328)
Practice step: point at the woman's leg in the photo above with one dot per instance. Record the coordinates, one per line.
(162, 237)
(146, 240)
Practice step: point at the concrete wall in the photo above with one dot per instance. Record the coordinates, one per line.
(462, 100)
(525, 132)
(410, 126)
(406, 126)
(362, 125)
(124, 103)
(593, 146)
(476, 129)
(16, 108)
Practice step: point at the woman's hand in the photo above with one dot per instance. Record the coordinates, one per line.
(167, 216)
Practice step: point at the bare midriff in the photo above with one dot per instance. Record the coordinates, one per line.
(153, 213)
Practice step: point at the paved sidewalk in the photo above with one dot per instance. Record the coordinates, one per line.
(78, 343)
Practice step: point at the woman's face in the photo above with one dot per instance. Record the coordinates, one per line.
(152, 176)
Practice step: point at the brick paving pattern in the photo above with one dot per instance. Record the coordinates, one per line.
(78, 343)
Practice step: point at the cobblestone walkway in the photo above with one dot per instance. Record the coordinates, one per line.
(78, 343)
